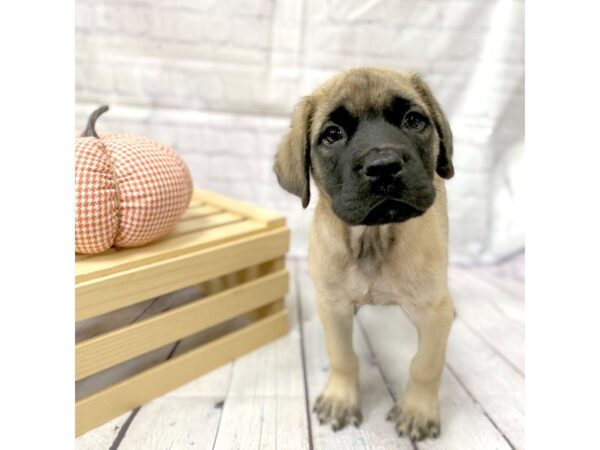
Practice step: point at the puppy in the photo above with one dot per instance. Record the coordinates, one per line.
(379, 148)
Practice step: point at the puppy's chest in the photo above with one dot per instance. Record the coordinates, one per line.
(378, 274)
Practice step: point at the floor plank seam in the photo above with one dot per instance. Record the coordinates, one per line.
(123, 431)
(479, 405)
(303, 353)
(496, 282)
(276, 404)
(223, 404)
(502, 313)
(492, 347)
(262, 415)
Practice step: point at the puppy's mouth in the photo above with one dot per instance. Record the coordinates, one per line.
(386, 210)
(391, 210)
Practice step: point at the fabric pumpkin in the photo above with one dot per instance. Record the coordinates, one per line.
(130, 190)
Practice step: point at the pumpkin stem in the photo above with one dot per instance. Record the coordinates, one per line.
(90, 130)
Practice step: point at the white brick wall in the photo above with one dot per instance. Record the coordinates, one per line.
(217, 80)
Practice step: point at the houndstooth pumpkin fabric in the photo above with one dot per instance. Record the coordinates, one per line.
(130, 190)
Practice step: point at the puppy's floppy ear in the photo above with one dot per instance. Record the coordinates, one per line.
(444, 166)
(292, 162)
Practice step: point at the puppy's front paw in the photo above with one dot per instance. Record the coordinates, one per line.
(338, 405)
(337, 412)
(414, 424)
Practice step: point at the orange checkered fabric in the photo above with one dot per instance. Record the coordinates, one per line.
(130, 190)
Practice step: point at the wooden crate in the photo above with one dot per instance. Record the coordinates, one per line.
(233, 248)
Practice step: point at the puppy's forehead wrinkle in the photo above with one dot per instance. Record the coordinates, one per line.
(361, 90)
(372, 103)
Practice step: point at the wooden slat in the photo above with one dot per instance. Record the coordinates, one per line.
(92, 384)
(106, 264)
(200, 211)
(204, 223)
(268, 217)
(82, 257)
(99, 296)
(232, 279)
(195, 201)
(139, 389)
(109, 349)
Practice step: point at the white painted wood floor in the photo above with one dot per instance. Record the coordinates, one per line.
(263, 400)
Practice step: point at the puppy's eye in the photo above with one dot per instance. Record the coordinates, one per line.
(332, 134)
(415, 121)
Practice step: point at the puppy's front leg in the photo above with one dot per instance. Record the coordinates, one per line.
(338, 404)
(417, 415)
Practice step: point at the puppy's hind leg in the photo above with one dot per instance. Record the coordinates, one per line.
(339, 403)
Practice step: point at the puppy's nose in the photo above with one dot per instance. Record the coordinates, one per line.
(383, 166)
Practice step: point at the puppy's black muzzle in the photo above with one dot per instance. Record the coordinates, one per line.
(379, 177)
